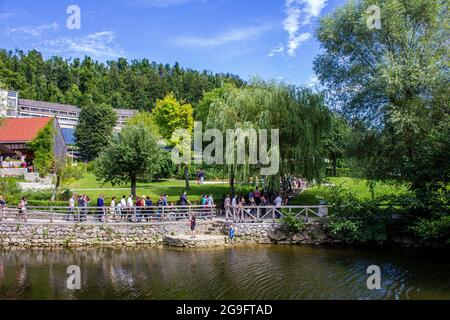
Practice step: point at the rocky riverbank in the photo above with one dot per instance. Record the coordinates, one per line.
(77, 235)
(168, 233)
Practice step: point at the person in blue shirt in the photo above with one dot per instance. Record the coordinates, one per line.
(100, 205)
(231, 233)
(148, 204)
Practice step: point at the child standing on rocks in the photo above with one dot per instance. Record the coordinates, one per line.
(231, 233)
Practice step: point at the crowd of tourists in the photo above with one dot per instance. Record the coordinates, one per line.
(241, 207)
(133, 209)
(144, 209)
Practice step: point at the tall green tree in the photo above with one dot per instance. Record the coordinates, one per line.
(337, 141)
(42, 147)
(147, 120)
(133, 154)
(135, 84)
(396, 80)
(94, 130)
(171, 115)
(299, 114)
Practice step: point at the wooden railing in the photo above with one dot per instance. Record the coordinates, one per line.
(264, 213)
(159, 214)
(107, 214)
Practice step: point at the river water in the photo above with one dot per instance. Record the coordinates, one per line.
(249, 272)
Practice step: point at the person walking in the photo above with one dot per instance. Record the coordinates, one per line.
(257, 196)
(112, 208)
(2, 208)
(80, 206)
(22, 210)
(139, 204)
(160, 204)
(234, 207)
(71, 207)
(263, 203)
(86, 201)
(202, 177)
(227, 205)
(193, 223)
(123, 208)
(130, 207)
(100, 207)
(184, 199)
(148, 210)
(277, 202)
(243, 212)
(204, 200)
(251, 195)
(210, 201)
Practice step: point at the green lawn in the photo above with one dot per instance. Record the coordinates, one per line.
(90, 186)
(93, 188)
(358, 187)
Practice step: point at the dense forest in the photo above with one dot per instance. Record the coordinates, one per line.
(135, 84)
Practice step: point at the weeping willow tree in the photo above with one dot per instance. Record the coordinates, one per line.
(300, 115)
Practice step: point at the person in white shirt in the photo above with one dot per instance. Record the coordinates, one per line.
(233, 205)
(277, 202)
(210, 200)
(227, 205)
(130, 207)
(123, 207)
(71, 207)
(112, 209)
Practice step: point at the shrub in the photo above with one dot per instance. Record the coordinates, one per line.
(438, 229)
(292, 224)
(346, 230)
(46, 203)
(356, 220)
(72, 173)
(10, 189)
(65, 195)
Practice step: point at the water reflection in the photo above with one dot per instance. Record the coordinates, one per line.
(257, 272)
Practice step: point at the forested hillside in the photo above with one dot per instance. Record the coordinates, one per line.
(135, 84)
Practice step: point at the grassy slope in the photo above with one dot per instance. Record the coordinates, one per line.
(357, 186)
(175, 187)
(93, 188)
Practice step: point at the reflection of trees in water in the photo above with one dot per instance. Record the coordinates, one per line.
(242, 272)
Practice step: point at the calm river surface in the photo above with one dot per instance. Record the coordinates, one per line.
(254, 272)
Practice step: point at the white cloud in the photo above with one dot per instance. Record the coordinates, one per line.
(164, 3)
(277, 50)
(6, 15)
(234, 35)
(32, 31)
(100, 45)
(299, 13)
(295, 42)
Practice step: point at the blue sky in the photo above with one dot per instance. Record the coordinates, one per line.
(265, 38)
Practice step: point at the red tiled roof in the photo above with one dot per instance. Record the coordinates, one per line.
(21, 129)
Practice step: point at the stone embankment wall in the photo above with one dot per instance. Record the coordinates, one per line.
(118, 234)
(54, 234)
(273, 233)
